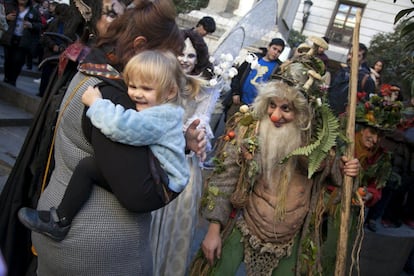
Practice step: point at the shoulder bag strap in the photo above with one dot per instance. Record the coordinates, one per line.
(52, 144)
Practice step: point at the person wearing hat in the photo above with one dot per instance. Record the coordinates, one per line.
(374, 118)
(399, 208)
(321, 52)
(258, 207)
(244, 84)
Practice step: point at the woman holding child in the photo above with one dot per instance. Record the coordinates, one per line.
(105, 238)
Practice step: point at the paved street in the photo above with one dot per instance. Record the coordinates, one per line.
(17, 106)
(11, 139)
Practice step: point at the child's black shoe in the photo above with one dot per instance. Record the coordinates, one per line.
(51, 228)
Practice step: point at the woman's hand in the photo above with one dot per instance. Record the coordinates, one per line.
(350, 167)
(211, 245)
(196, 139)
(91, 95)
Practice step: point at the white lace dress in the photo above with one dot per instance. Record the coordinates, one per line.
(173, 227)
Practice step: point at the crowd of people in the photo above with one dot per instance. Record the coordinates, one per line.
(109, 179)
(23, 40)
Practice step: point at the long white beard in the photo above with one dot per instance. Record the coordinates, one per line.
(275, 144)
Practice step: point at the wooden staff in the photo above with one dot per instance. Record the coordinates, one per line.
(341, 252)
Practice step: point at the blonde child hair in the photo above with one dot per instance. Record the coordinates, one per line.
(162, 68)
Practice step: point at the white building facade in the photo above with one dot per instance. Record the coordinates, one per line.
(334, 19)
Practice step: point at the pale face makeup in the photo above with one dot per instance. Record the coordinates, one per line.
(111, 9)
(188, 59)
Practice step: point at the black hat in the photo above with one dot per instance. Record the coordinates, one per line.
(277, 41)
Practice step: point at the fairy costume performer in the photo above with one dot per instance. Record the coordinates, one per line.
(173, 227)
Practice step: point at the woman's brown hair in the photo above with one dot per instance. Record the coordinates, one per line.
(153, 20)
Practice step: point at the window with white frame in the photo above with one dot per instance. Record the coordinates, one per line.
(343, 23)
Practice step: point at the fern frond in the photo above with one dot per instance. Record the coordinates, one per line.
(305, 150)
(330, 125)
(327, 131)
(315, 160)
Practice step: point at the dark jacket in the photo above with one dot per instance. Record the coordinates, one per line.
(61, 31)
(150, 176)
(338, 90)
(30, 35)
(23, 186)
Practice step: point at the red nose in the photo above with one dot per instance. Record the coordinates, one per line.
(274, 118)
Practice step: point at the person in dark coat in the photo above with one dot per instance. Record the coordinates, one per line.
(338, 90)
(60, 33)
(25, 181)
(24, 31)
